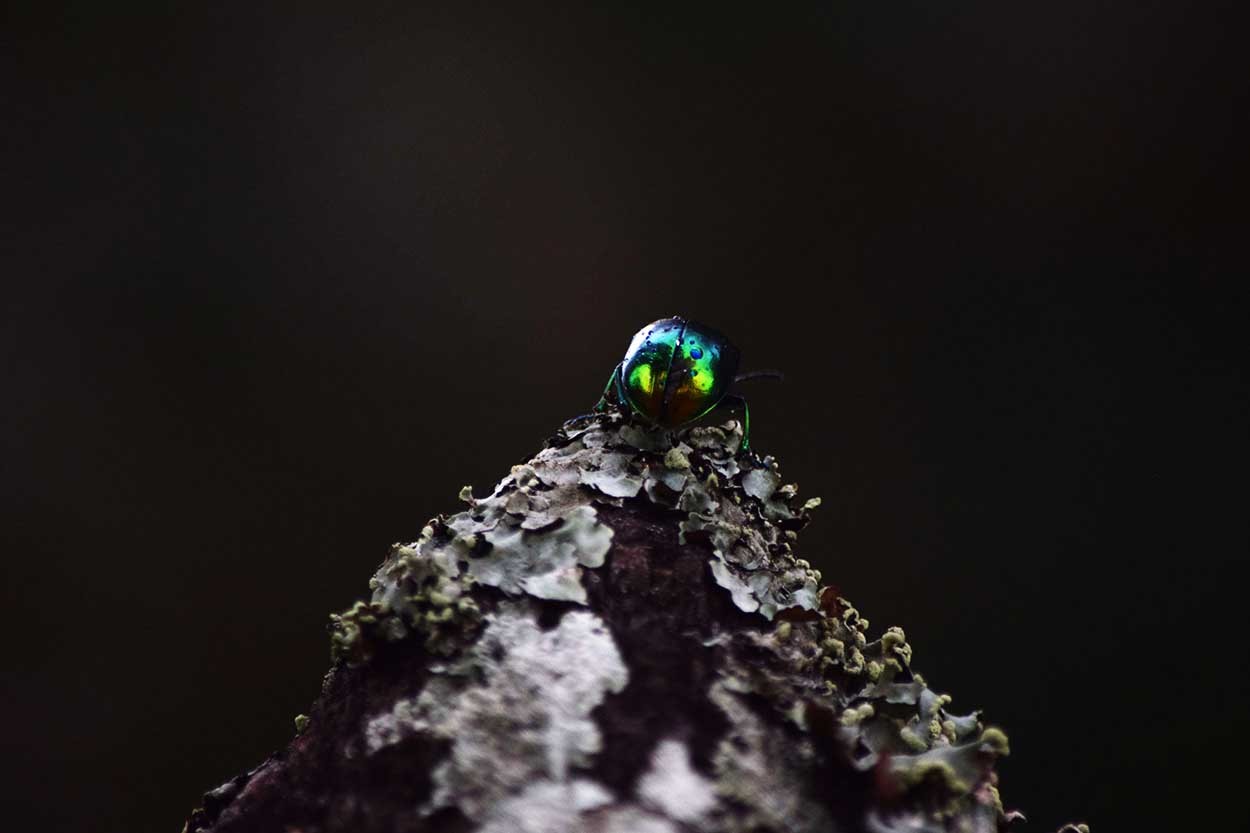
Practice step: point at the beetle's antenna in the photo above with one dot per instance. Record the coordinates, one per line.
(775, 375)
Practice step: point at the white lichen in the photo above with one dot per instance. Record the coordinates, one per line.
(546, 807)
(627, 819)
(672, 787)
(741, 592)
(544, 564)
(516, 710)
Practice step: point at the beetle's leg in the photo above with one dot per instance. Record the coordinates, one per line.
(603, 403)
(734, 399)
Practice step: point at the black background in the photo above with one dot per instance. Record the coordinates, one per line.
(279, 281)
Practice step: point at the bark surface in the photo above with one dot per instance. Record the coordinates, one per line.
(620, 639)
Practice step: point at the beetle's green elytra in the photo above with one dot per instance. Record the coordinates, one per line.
(675, 371)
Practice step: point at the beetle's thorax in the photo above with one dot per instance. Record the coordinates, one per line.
(675, 371)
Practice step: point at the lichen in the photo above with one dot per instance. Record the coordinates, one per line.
(539, 530)
(931, 762)
(513, 702)
(760, 771)
(673, 788)
(736, 501)
(437, 606)
(546, 807)
(515, 708)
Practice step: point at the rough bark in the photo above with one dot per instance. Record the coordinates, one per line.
(620, 639)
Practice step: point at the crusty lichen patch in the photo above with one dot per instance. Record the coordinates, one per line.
(928, 763)
(538, 531)
(555, 806)
(515, 708)
(761, 770)
(806, 688)
(673, 788)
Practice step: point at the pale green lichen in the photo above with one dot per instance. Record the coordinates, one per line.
(676, 459)
(994, 740)
(428, 602)
(754, 560)
(544, 564)
(855, 715)
(914, 741)
(537, 533)
(885, 718)
(363, 625)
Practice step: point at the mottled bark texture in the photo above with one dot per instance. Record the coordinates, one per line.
(620, 639)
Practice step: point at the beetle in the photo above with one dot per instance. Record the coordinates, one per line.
(677, 370)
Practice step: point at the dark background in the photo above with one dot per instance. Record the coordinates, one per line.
(278, 282)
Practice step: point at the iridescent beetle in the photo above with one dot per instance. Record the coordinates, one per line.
(677, 370)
